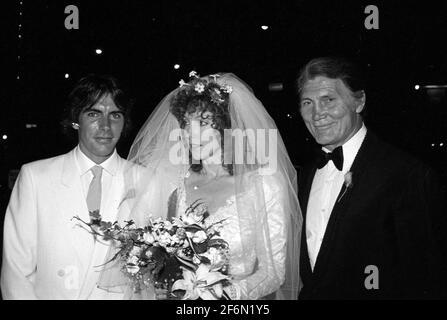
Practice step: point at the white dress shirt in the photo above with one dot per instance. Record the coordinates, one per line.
(110, 168)
(326, 187)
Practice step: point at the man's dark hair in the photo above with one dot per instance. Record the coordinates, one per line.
(87, 92)
(333, 68)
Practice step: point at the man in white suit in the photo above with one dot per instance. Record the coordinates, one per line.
(46, 254)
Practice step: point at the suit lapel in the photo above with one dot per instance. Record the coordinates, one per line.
(343, 204)
(340, 208)
(306, 179)
(72, 203)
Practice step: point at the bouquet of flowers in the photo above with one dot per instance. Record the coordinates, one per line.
(184, 257)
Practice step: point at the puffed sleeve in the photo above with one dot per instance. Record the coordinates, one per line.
(271, 245)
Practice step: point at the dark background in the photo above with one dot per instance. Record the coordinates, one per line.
(142, 40)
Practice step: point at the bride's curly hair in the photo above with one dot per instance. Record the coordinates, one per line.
(188, 101)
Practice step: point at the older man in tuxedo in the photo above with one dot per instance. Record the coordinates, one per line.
(372, 217)
(46, 255)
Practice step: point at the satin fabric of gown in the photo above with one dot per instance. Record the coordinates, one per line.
(253, 279)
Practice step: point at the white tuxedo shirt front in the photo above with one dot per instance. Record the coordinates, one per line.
(325, 189)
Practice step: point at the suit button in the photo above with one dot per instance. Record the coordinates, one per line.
(61, 273)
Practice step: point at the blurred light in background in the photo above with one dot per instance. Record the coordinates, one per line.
(435, 86)
(98, 51)
(67, 76)
(176, 66)
(416, 87)
(276, 86)
(264, 27)
(4, 137)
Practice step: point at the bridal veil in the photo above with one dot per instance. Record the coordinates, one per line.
(159, 160)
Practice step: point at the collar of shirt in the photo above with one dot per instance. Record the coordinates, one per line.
(85, 163)
(350, 149)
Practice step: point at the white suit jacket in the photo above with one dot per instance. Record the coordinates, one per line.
(46, 255)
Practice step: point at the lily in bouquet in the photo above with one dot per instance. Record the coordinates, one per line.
(183, 256)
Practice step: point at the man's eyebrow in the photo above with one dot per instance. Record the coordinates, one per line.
(92, 108)
(327, 94)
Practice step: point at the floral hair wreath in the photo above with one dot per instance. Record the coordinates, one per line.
(199, 86)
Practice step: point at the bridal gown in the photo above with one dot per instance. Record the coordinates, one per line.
(256, 277)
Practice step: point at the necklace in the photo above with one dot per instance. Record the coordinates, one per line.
(197, 186)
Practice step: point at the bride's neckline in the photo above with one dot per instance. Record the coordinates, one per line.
(184, 202)
(225, 203)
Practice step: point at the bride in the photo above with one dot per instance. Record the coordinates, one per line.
(211, 140)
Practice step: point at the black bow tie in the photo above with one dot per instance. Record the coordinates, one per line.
(336, 156)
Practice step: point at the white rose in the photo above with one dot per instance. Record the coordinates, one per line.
(175, 239)
(148, 238)
(133, 260)
(228, 89)
(348, 179)
(164, 239)
(199, 236)
(196, 260)
(168, 225)
(200, 87)
(136, 251)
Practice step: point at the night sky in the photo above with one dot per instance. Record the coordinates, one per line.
(141, 41)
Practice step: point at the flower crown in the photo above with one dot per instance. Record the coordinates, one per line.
(206, 87)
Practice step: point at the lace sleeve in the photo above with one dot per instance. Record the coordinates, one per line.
(270, 270)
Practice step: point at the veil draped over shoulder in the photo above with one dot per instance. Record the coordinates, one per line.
(265, 180)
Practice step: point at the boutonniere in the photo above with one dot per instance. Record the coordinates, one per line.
(347, 184)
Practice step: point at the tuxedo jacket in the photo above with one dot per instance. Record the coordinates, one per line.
(384, 237)
(46, 255)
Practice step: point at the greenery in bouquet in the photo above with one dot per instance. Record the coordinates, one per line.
(184, 256)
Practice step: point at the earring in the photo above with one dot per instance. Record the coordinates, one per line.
(75, 125)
